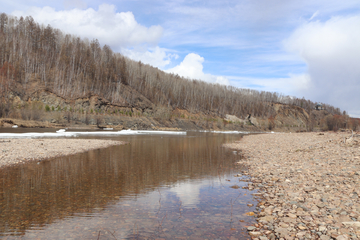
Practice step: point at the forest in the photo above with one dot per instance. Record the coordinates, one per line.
(71, 67)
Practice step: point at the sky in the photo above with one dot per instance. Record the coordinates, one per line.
(308, 48)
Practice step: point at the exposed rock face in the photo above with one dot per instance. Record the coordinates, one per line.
(93, 102)
(289, 115)
(232, 118)
(148, 116)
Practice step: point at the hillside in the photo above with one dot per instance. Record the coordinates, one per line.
(51, 76)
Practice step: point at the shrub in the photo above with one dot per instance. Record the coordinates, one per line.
(271, 122)
(47, 108)
(68, 116)
(87, 119)
(99, 120)
(354, 123)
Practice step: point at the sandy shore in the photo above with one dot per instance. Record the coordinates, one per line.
(310, 184)
(15, 151)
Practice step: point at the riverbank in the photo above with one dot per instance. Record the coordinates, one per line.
(17, 151)
(309, 184)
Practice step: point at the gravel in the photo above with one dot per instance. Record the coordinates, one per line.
(17, 151)
(309, 184)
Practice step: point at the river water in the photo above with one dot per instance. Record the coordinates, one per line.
(154, 187)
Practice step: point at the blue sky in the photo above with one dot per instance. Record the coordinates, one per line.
(308, 48)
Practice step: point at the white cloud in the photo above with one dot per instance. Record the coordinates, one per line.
(314, 15)
(192, 67)
(331, 51)
(157, 57)
(109, 27)
(300, 82)
(189, 193)
(290, 85)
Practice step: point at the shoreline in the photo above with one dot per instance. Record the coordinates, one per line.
(309, 184)
(22, 150)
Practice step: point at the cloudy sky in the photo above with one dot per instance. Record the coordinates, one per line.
(308, 48)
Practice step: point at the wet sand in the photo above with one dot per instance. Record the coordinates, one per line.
(309, 183)
(16, 151)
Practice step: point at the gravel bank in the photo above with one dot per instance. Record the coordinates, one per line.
(14, 151)
(309, 183)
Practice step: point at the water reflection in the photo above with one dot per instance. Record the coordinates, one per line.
(157, 186)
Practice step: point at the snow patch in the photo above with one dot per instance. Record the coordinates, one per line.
(63, 133)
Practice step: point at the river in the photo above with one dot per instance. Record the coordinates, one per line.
(154, 187)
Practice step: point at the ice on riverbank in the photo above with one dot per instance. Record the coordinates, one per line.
(225, 132)
(64, 133)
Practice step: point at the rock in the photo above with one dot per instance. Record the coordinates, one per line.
(232, 118)
(250, 213)
(324, 237)
(255, 234)
(293, 216)
(300, 234)
(272, 236)
(309, 189)
(320, 205)
(352, 224)
(308, 218)
(301, 227)
(342, 237)
(282, 231)
(268, 218)
(322, 228)
(251, 228)
(284, 225)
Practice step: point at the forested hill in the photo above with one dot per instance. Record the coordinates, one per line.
(36, 58)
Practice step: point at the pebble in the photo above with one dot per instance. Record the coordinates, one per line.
(22, 150)
(251, 228)
(307, 184)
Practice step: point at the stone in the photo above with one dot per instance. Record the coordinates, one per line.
(324, 237)
(300, 234)
(255, 234)
(282, 231)
(322, 228)
(353, 224)
(272, 236)
(309, 189)
(284, 225)
(251, 228)
(320, 205)
(290, 215)
(301, 227)
(267, 218)
(342, 237)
